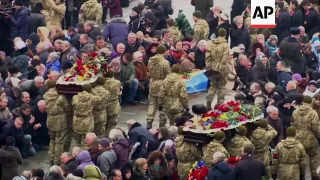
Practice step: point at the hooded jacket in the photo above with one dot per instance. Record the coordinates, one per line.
(20, 23)
(84, 160)
(121, 148)
(56, 14)
(260, 72)
(213, 147)
(92, 172)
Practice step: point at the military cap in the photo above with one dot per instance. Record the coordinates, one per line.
(197, 14)
(242, 130)
(87, 87)
(291, 131)
(222, 32)
(263, 123)
(307, 99)
(180, 130)
(161, 49)
(51, 84)
(175, 68)
(100, 80)
(219, 135)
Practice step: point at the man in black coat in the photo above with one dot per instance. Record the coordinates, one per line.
(40, 137)
(14, 129)
(283, 23)
(250, 168)
(296, 14)
(71, 163)
(311, 18)
(74, 37)
(212, 19)
(291, 52)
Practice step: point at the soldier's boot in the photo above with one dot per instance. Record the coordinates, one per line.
(209, 106)
(162, 120)
(149, 124)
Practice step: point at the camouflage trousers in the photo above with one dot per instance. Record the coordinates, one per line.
(80, 139)
(100, 122)
(183, 169)
(152, 108)
(111, 123)
(172, 116)
(265, 158)
(56, 145)
(313, 160)
(217, 86)
(69, 133)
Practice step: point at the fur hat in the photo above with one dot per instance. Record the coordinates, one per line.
(307, 99)
(161, 49)
(222, 32)
(263, 123)
(255, 46)
(291, 131)
(100, 80)
(51, 84)
(87, 87)
(197, 14)
(219, 135)
(136, 9)
(180, 130)
(294, 31)
(242, 130)
(175, 68)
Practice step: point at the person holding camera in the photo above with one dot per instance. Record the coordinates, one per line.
(19, 20)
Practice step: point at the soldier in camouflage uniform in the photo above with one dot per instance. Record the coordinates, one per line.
(113, 108)
(213, 147)
(83, 122)
(261, 138)
(100, 110)
(174, 31)
(54, 13)
(187, 154)
(173, 96)
(306, 122)
(238, 142)
(56, 121)
(217, 60)
(201, 28)
(91, 11)
(69, 117)
(289, 158)
(159, 68)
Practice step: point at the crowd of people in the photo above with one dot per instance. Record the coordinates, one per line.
(277, 70)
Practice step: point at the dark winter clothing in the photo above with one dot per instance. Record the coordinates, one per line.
(131, 48)
(44, 57)
(312, 60)
(134, 24)
(116, 31)
(311, 19)
(10, 130)
(239, 36)
(291, 54)
(200, 59)
(10, 159)
(106, 161)
(296, 17)
(137, 175)
(160, 172)
(212, 21)
(225, 25)
(221, 170)
(72, 165)
(285, 115)
(115, 8)
(278, 126)
(260, 72)
(94, 152)
(20, 22)
(41, 136)
(127, 72)
(273, 74)
(94, 32)
(36, 20)
(284, 76)
(282, 30)
(3, 70)
(21, 61)
(121, 148)
(237, 8)
(250, 168)
(75, 40)
(203, 6)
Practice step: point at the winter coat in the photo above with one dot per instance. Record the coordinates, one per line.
(137, 130)
(127, 72)
(237, 8)
(291, 54)
(91, 11)
(83, 159)
(285, 115)
(312, 61)
(92, 172)
(141, 71)
(311, 21)
(284, 76)
(30, 87)
(131, 48)
(121, 148)
(236, 145)
(53, 66)
(56, 14)
(200, 59)
(137, 175)
(260, 72)
(106, 161)
(221, 171)
(296, 17)
(239, 36)
(10, 130)
(134, 24)
(273, 73)
(36, 20)
(186, 65)
(21, 61)
(10, 159)
(3, 70)
(162, 172)
(20, 23)
(115, 9)
(283, 24)
(278, 126)
(43, 57)
(94, 32)
(250, 168)
(203, 6)
(117, 31)
(75, 40)
(225, 25)
(212, 20)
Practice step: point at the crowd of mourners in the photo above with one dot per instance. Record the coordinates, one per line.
(276, 69)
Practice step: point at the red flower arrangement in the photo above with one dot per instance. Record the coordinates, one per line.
(233, 161)
(198, 172)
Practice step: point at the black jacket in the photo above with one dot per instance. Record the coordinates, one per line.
(72, 165)
(134, 24)
(239, 36)
(10, 130)
(311, 21)
(3, 70)
(312, 60)
(221, 171)
(36, 20)
(250, 169)
(225, 26)
(296, 18)
(75, 40)
(283, 21)
(212, 21)
(200, 59)
(94, 32)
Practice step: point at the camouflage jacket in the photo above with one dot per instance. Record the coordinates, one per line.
(176, 34)
(173, 94)
(114, 87)
(201, 30)
(55, 14)
(159, 68)
(306, 122)
(56, 109)
(289, 160)
(217, 56)
(261, 139)
(83, 104)
(104, 96)
(210, 149)
(259, 99)
(91, 11)
(236, 145)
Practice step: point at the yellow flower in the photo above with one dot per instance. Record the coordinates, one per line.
(223, 116)
(80, 78)
(205, 119)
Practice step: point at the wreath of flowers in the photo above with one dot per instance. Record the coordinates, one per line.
(199, 171)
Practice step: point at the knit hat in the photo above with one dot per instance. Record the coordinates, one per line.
(54, 56)
(276, 97)
(100, 80)
(20, 44)
(161, 49)
(175, 68)
(294, 31)
(219, 135)
(307, 99)
(180, 130)
(287, 101)
(104, 142)
(263, 123)
(291, 131)
(18, 3)
(237, 19)
(87, 87)
(51, 84)
(242, 130)
(297, 77)
(197, 14)
(222, 32)
(273, 37)
(186, 43)
(313, 82)
(136, 9)
(149, 15)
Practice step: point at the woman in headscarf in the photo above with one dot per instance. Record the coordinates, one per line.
(43, 34)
